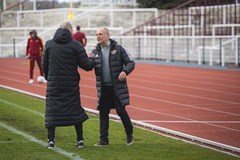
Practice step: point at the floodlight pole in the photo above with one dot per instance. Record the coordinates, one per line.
(34, 5)
(71, 3)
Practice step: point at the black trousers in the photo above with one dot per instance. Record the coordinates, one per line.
(78, 128)
(108, 99)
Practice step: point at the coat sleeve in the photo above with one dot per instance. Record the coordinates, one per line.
(83, 61)
(45, 61)
(129, 64)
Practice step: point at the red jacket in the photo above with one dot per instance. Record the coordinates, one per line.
(79, 36)
(34, 47)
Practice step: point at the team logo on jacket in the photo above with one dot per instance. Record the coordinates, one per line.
(114, 51)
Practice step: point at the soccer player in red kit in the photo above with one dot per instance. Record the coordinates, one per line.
(80, 36)
(34, 53)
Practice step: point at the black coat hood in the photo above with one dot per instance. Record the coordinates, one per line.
(62, 36)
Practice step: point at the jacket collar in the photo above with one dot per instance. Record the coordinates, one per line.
(111, 42)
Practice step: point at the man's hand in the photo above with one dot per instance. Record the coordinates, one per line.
(122, 76)
(90, 54)
(28, 56)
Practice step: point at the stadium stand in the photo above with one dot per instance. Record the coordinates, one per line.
(17, 23)
(196, 31)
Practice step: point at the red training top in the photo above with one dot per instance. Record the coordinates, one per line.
(34, 47)
(79, 36)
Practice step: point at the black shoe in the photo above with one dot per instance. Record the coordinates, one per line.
(50, 144)
(129, 140)
(80, 144)
(102, 143)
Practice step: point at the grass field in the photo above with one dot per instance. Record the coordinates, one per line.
(23, 137)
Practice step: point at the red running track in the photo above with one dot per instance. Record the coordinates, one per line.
(195, 101)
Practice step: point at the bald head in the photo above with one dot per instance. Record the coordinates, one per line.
(66, 25)
(104, 29)
(103, 35)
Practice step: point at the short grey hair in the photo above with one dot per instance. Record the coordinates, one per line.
(105, 29)
(66, 25)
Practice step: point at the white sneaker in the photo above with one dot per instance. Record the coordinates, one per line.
(44, 81)
(30, 81)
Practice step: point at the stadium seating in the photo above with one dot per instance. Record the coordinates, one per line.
(204, 32)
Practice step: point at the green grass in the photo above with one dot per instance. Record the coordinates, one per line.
(147, 145)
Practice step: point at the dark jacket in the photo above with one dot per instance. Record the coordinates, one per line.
(61, 58)
(118, 61)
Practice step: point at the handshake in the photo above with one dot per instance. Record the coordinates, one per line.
(90, 54)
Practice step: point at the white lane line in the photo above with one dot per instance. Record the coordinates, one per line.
(156, 90)
(222, 122)
(176, 93)
(72, 156)
(187, 95)
(154, 82)
(185, 86)
(201, 79)
(23, 82)
(188, 119)
(202, 140)
(208, 73)
(160, 114)
(144, 97)
(186, 105)
(175, 85)
(186, 74)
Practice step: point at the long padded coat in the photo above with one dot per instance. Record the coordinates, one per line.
(61, 58)
(118, 61)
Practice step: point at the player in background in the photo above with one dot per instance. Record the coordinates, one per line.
(80, 36)
(34, 53)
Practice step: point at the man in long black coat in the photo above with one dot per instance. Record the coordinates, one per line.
(61, 58)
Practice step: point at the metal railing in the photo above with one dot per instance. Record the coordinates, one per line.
(202, 14)
(220, 50)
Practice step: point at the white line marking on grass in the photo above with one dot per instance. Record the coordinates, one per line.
(116, 117)
(9, 141)
(33, 111)
(33, 139)
(22, 91)
(21, 107)
(165, 130)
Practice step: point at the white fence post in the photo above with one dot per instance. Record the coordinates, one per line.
(236, 52)
(210, 57)
(223, 57)
(199, 56)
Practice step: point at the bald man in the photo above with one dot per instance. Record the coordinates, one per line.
(112, 65)
(61, 58)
